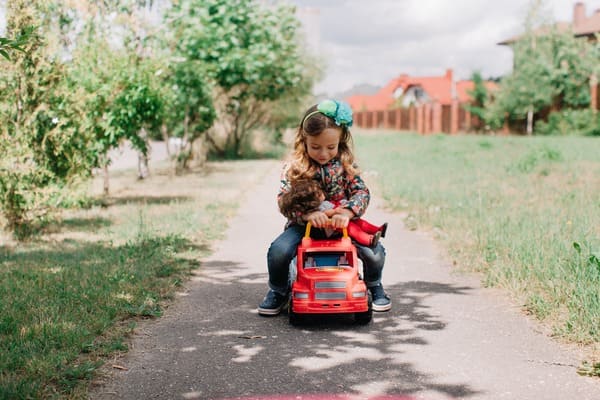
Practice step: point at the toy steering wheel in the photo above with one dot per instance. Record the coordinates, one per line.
(309, 226)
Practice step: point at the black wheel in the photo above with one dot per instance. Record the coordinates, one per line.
(363, 318)
(294, 318)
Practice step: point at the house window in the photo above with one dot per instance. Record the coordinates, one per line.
(420, 95)
(415, 95)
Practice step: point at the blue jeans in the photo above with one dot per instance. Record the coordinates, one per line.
(284, 247)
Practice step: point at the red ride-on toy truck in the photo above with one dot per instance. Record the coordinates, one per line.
(327, 280)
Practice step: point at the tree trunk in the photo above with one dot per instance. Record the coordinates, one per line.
(530, 122)
(182, 157)
(106, 181)
(143, 170)
(237, 135)
(165, 136)
(213, 144)
(170, 155)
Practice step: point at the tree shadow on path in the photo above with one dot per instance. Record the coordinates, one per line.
(239, 353)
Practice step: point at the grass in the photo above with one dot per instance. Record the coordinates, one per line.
(524, 211)
(70, 297)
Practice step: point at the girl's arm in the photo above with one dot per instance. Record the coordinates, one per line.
(358, 196)
(358, 199)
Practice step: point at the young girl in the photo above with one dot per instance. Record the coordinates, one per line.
(306, 195)
(323, 152)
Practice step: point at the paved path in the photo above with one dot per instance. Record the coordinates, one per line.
(445, 337)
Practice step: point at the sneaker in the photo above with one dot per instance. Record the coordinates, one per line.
(272, 304)
(381, 301)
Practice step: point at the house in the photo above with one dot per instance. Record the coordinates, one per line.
(422, 104)
(582, 26)
(405, 91)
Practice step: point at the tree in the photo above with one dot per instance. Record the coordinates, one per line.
(551, 72)
(191, 108)
(252, 55)
(480, 98)
(40, 140)
(116, 80)
(61, 110)
(136, 108)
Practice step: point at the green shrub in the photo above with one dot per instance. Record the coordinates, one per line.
(571, 122)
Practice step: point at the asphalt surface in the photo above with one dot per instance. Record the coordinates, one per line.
(445, 338)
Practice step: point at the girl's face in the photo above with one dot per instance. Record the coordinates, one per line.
(324, 146)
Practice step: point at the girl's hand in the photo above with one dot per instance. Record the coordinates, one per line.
(318, 219)
(339, 221)
(341, 218)
(330, 213)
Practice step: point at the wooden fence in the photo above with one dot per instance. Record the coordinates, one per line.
(425, 118)
(436, 118)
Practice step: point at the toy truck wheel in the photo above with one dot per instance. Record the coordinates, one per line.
(363, 318)
(294, 317)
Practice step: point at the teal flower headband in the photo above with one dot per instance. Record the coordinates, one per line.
(339, 111)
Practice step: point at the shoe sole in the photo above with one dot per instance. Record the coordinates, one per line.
(269, 311)
(384, 308)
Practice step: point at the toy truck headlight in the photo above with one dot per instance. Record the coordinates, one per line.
(359, 294)
(300, 295)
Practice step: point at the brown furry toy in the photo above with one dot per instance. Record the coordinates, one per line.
(304, 196)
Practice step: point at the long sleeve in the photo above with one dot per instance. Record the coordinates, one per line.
(348, 191)
(358, 196)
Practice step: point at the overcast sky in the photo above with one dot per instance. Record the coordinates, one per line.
(374, 41)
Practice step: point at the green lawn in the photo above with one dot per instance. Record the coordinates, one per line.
(70, 296)
(525, 211)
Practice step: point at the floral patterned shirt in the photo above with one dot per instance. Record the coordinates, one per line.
(338, 186)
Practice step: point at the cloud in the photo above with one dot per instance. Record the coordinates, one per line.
(373, 41)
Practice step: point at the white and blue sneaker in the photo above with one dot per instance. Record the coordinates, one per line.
(272, 304)
(381, 301)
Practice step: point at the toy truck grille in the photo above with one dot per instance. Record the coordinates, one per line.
(330, 285)
(330, 296)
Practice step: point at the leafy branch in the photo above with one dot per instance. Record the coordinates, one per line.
(7, 44)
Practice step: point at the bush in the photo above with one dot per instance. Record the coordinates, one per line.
(571, 122)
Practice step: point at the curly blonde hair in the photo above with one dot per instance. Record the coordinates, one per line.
(312, 124)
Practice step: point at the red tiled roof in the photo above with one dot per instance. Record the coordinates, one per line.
(464, 87)
(438, 88)
(382, 100)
